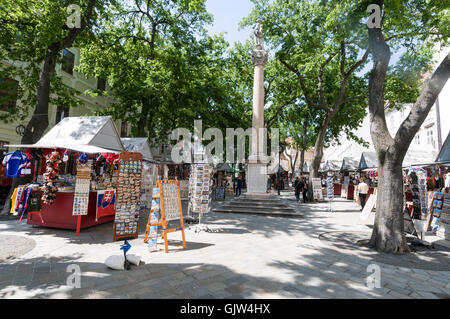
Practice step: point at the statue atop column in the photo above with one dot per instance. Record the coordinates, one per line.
(259, 54)
(259, 36)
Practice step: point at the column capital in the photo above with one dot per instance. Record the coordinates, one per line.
(259, 57)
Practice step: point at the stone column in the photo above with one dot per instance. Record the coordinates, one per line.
(257, 162)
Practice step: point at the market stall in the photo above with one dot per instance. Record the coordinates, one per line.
(74, 176)
(332, 168)
(142, 146)
(368, 170)
(223, 181)
(349, 169)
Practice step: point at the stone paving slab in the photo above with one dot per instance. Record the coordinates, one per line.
(243, 256)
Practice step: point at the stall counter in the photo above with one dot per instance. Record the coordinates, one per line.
(337, 189)
(59, 215)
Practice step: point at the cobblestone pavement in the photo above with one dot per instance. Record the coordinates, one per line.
(242, 256)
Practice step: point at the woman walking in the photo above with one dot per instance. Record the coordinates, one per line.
(363, 189)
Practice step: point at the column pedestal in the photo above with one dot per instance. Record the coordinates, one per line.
(257, 177)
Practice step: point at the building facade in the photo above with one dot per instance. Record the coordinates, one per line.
(9, 132)
(426, 143)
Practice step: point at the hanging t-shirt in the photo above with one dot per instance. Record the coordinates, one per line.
(34, 204)
(14, 163)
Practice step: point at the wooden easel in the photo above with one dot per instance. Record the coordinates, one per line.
(163, 221)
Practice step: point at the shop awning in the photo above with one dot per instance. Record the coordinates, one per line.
(368, 160)
(418, 157)
(91, 134)
(223, 167)
(139, 145)
(306, 168)
(444, 153)
(275, 169)
(349, 164)
(332, 165)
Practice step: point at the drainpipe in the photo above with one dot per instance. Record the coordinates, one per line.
(438, 125)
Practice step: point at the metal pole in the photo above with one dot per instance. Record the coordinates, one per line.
(438, 125)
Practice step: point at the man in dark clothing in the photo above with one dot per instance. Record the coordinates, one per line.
(278, 184)
(305, 189)
(238, 186)
(298, 185)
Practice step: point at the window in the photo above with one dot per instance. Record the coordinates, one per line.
(68, 61)
(430, 139)
(8, 94)
(61, 112)
(124, 130)
(417, 139)
(101, 84)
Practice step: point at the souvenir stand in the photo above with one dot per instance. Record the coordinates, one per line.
(78, 168)
(128, 202)
(349, 168)
(425, 181)
(332, 168)
(368, 167)
(437, 183)
(200, 192)
(223, 181)
(330, 192)
(141, 145)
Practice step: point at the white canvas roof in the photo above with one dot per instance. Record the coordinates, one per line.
(139, 145)
(91, 134)
(419, 157)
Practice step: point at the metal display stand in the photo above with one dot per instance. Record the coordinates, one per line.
(192, 193)
(330, 193)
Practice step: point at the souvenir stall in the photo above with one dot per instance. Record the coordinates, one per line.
(142, 146)
(332, 168)
(223, 181)
(5, 182)
(349, 169)
(74, 176)
(371, 178)
(278, 169)
(180, 172)
(368, 170)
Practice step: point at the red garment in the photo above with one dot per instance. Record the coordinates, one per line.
(4, 181)
(110, 157)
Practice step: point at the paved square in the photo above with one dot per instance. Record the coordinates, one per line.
(243, 256)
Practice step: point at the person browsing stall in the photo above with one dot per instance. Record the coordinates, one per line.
(363, 189)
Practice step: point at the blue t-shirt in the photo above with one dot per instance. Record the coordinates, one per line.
(14, 163)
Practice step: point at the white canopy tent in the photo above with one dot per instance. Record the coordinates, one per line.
(140, 145)
(91, 134)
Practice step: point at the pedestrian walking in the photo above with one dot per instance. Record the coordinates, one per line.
(279, 185)
(305, 189)
(363, 188)
(298, 186)
(238, 186)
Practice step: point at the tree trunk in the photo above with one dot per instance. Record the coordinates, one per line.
(143, 118)
(388, 234)
(304, 144)
(39, 121)
(318, 147)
